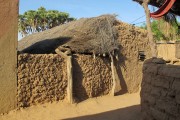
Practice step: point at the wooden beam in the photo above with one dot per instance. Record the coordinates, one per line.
(61, 53)
(70, 79)
(69, 75)
(116, 81)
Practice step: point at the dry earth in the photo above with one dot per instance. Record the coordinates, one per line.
(124, 107)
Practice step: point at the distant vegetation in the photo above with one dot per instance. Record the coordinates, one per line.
(36, 21)
(163, 30)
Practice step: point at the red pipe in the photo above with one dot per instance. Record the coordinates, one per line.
(163, 9)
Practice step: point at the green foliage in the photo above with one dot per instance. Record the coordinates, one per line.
(158, 34)
(36, 21)
(163, 30)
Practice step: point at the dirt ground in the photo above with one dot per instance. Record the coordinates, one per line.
(124, 107)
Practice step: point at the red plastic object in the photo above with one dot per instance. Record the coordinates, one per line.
(163, 9)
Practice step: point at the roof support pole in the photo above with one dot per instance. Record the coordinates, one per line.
(68, 59)
(116, 86)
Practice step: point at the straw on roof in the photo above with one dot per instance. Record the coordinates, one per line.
(96, 35)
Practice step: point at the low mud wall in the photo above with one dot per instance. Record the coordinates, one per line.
(92, 77)
(41, 78)
(178, 49)
(169, 51)
(160, 94)
(166, 51)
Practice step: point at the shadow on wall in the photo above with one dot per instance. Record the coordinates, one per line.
(119, 64)
(129, 113)
(91, 77)
(46, 46)
(79, 92)
(97, 81)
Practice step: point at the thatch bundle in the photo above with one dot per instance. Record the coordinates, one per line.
(96, 35)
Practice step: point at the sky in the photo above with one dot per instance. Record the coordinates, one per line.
(127, 10)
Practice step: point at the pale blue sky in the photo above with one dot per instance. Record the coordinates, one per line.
(127, 10)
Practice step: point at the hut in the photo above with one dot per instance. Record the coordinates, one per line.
(105, 57)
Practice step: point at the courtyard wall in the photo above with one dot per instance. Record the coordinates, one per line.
(160, 94)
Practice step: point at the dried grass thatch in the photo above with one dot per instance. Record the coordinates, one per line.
(96, 35)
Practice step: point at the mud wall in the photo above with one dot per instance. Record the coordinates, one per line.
(160, 94)
(178, 49)
(92, 77)
(41, 79)
(132, 40)
(166, 51)
(8, 56)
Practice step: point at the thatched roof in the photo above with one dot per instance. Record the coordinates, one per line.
(157, 3)
(87, 35)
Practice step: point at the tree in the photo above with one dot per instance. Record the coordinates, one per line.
(36, 21)
(169, 26)
(150, 34)
(164, 30)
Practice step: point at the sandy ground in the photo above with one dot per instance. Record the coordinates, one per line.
(124, 107)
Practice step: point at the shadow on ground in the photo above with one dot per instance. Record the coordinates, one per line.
(129, 113)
